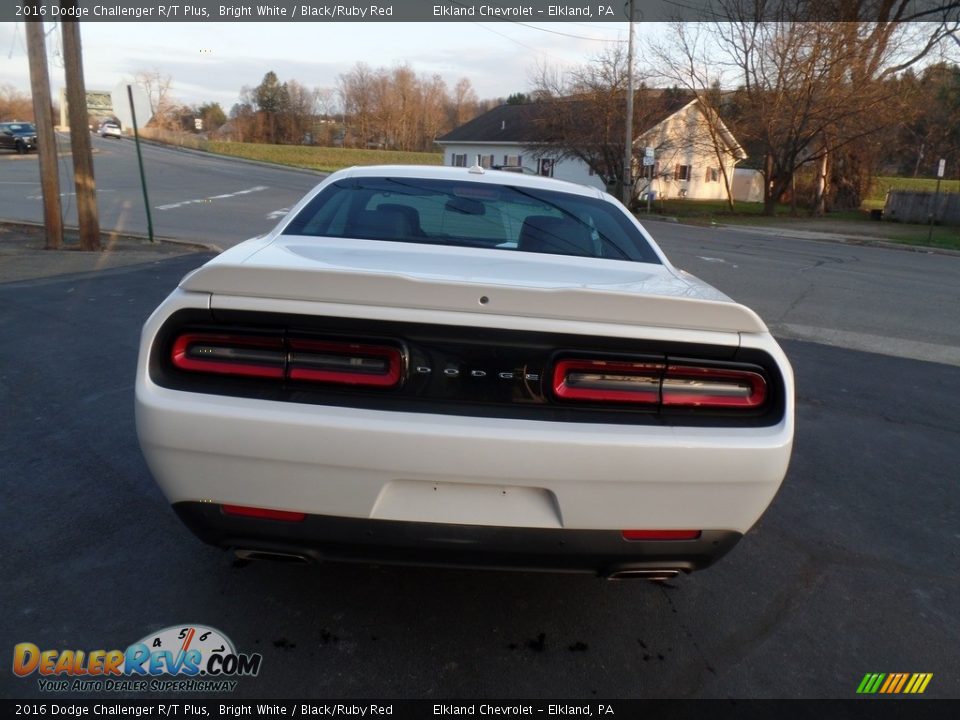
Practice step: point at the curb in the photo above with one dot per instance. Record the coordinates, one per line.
(135, 236)
(864, 240)
(812, 235)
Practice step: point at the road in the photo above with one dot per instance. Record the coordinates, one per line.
(854, 569)
(193, 196)
(897, 303)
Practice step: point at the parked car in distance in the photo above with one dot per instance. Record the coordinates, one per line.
(462, 367)
(110, 129)
(19, 136)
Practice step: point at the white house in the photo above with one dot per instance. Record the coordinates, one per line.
(685, 162)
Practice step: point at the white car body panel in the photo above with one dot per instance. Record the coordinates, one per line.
(380, 274)
(457, 469)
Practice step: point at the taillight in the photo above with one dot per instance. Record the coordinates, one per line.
(669, 384)
(603, 381)
(289, 358)
(263, 513)
(692, 386)
(222, 354)
(345, 363)
(635, 535)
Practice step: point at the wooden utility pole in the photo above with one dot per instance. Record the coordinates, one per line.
(80, 134)
(628, 140)
(46, 140)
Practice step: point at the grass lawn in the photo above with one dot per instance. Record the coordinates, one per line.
(326, 159)
(849, 222)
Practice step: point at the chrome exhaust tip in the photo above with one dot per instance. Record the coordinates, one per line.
(652, 575)
(273, 556)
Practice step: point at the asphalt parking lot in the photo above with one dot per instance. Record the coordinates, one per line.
(854, 568)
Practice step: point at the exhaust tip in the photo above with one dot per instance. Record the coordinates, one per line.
(651, 575)
(273, 556)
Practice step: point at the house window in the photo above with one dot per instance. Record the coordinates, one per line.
(512, 161)
(545, 167)
(458, 160)
(713, 175)
(485, 161)
(649, 172)
(683, 172)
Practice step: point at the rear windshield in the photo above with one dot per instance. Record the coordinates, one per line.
(448, 212)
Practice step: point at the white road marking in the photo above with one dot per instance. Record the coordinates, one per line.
(880, 344)
(716, 260)
(66, 194)
(197, 201)
(277, 214)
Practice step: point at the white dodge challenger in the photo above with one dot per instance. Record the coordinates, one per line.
(462, 367)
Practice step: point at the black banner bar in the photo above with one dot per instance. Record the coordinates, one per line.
(531, 11)
(189, 707)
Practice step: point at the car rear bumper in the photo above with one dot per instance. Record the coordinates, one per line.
(320, 537)
(379, 465)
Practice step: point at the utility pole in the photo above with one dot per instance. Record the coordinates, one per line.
(46, 139)
(80, 134)
(628, 148)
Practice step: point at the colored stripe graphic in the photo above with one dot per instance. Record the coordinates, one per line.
(894, 683)
(891, 680)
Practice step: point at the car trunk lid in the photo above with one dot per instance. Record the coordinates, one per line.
(486, 281)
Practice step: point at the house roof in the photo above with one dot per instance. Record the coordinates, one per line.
(517, 124)
(505, 123)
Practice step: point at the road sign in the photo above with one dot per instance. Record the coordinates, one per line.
(648, 152)
(121, 105)
(648, 160)
(941, 167)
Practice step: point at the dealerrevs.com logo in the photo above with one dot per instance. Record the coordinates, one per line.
(180, 658)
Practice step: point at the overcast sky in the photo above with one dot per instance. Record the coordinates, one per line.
(212, 62)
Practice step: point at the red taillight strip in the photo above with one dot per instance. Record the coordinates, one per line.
(263, 513)
(230, 354)
(692, 386)
(670, 384)
(345, 363)
(604, 381)
(634, 535)
(339, 363)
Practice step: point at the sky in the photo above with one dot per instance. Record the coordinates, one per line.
(211, 62)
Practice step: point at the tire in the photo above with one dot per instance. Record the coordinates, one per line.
(21, 148)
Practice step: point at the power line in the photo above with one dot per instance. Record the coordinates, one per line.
(523, 45)
(569, 35)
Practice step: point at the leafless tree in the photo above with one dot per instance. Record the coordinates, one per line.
(357, 96)
(809, 91)
(581, 114)
(399, 109)
(683, 59)
(463, 104)
(162, 104)
(15, 105)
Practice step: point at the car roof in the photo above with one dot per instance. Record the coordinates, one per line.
(474, 174)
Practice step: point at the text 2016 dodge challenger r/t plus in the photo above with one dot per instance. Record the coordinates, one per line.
(462, 367)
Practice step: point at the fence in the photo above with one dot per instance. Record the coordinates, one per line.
(917, 206)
